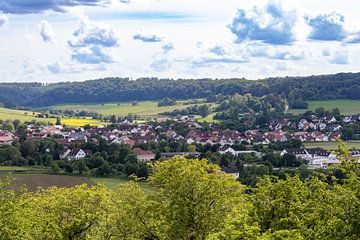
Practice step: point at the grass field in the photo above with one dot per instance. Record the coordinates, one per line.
(13, 168)
(346, 107)
(10, 114)
(35, 181)
(143, 109)
(112, 183)
(332, 145)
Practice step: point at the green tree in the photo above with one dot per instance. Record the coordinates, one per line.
(204, 110)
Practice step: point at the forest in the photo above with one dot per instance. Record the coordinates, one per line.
(190, 200)
(296, 90)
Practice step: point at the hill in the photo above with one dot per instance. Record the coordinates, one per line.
(295, 89)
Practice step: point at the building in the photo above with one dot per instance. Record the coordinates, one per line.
(75, 154)
(144, 156)
(6, 140)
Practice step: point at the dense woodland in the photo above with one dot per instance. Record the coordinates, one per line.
(191, 200)
(294, 89)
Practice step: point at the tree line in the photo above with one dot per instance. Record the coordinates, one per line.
(295, 90)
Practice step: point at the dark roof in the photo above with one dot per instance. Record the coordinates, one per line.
(230, 169)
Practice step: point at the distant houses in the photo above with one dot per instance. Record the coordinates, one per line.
(144, 156)
(75, 154)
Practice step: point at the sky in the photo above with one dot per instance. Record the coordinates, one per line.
(76, 40)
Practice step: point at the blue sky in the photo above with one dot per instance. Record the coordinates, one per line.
(74, 40)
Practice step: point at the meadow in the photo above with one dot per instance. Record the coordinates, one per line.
(23, 116)
(332, 145)
(346, 106)
(145, 109)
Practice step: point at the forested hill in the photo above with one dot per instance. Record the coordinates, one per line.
(342, 85)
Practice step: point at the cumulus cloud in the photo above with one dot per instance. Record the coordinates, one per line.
(353, 38)
(167, 47)
(219, 54)
(339, 58)
(3, 19)
(39, 6)
(271, 24)
(147, 37)
(161, 63)
(91, 42)
(46, 32)
(66, 67)
(327, 27)
(336, 57)
(274, 52)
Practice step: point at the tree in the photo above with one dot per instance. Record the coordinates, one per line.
(191, 148)
(195, 198)
(58, 121)
(204, 110)
(55, 167)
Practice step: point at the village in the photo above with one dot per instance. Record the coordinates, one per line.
(134, 135)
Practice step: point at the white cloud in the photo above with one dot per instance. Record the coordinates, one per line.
(147, 37)
(92, 41)
(47, 32)
(3, 19)
(271, 24)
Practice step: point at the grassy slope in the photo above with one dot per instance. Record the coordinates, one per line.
(144, 108)
(10, 114)
(346, 106)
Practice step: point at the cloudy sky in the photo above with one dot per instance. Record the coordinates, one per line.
(72, 40)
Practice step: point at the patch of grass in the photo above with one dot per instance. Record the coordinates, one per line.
(209, 118)
(143, 108)
(11, 114)
(346, 107)
(332, 145)
(13, 168)
(23, 116)
(113, 182)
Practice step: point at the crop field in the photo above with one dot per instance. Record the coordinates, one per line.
(11, 114)
(33, 182)
(113, 182)
(143, 108)
(332, 145)
(346, 107)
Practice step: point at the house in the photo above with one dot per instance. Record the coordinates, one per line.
(232, 170)
(316, 157)
(6, 140)
(75, 154)
(144, 156)
(320, 126)
(224, 150)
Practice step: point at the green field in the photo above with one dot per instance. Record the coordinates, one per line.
(11, 114)
(14, 168)
(113, 182)
(144, 108)
(346, 107)
(332, 145)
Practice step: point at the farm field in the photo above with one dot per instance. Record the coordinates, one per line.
(11, 114)
(143, 109)
(113, 182)
(33, 182)
(332, 145)
(346, 106)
